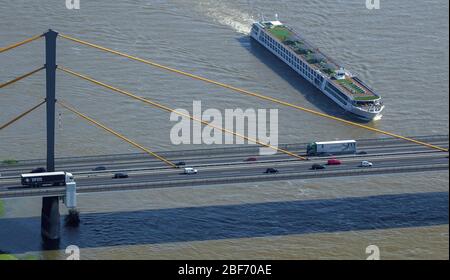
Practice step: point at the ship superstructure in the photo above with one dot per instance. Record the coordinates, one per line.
(339, 84)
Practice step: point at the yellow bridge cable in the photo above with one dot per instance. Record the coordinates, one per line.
(13, 46)
(21, 116)
(165, 108)
(246, 92)
(21, 77)
(117, 134)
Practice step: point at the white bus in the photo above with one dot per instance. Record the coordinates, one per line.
(34, 180)
(332, 147)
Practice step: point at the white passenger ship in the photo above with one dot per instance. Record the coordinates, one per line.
(344, 88)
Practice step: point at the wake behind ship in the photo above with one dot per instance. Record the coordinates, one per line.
(336, 82)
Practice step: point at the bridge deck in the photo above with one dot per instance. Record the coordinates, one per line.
(226, 165)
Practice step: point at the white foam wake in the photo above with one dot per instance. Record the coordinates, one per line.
(377, 118)
(222, 13)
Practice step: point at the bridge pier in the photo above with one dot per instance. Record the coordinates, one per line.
(50, 218)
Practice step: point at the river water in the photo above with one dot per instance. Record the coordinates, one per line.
(401, 50)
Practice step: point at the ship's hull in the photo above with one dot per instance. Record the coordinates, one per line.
(323, 87)
(365, 115)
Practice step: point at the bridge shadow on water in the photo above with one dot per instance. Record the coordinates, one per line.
(19, 235)
(304, 87)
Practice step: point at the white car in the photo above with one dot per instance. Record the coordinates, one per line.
(189, 170)
(366, 163)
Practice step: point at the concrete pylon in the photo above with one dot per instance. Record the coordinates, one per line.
(50, 216)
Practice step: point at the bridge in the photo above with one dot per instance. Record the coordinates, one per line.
(393, 154)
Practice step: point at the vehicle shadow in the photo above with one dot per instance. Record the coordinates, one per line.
(313, 95)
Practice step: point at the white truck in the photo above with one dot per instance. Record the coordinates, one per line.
(332, 148)
(46, 179)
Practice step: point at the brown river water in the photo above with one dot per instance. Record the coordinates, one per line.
(401, 50)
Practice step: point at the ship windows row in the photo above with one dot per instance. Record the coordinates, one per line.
(255, 30)
(337, 93)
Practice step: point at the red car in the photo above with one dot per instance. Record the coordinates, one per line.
(251, 159)
(334, 162)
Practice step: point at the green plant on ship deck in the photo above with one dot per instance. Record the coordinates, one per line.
(290, 43)
(314, 58)
(280, 32)
(366, 98)
(351, 86)
(303, 51)
(328, 71)
(327, 68)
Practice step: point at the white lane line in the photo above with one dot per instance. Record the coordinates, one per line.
(234, 173)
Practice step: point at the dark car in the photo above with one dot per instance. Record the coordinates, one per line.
(317, 166)
(39, 170)
(99, 168)
(120, 176)
(271, 171)
(251, 159)
(362, 153)
(181, 163)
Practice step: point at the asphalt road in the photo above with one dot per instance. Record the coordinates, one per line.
(137, 162)
(230, 167)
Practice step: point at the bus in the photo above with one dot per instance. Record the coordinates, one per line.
(34, 180)
(332, 147)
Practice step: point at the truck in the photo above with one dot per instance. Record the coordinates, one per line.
(47, 179)
(332, 148)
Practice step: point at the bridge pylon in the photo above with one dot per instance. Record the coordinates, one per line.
(50, 216)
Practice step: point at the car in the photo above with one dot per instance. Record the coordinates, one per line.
(190, 170)
(334, 161)
(251, 159)
(39, 170)
(362, 153)
(120, 175)
(180, 163)
(317, 166)
(99, 168)
(271, 171)
(366, 163)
